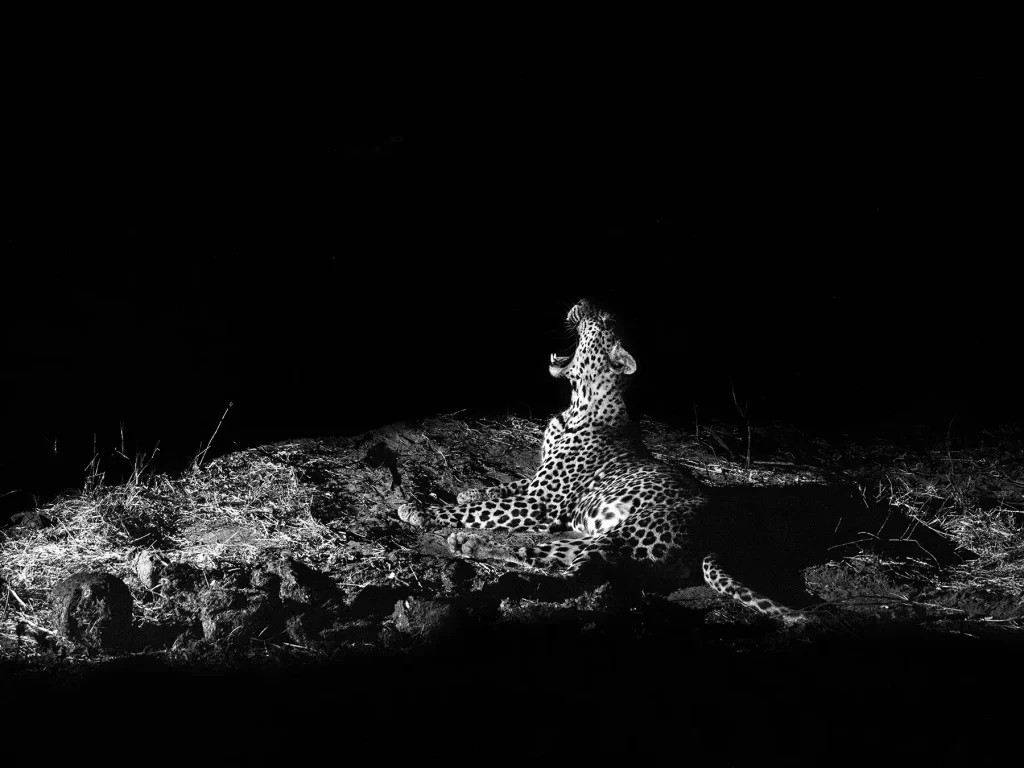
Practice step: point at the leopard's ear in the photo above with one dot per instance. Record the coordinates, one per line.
(622, 361)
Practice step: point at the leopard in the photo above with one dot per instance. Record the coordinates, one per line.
(606, 498)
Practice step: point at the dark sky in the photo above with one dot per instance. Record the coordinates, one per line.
(840, 246)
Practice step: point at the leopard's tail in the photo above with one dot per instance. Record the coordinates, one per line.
(722, 582)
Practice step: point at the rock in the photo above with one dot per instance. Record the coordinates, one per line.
(147, 567)
(298, 586)
(428, 621)
(281, 594)
(93, 609)
(238, 613)
(179, 577)
(170, 578)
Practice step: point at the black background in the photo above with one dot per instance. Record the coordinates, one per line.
(334, 249)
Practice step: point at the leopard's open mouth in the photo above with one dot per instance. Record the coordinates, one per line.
(558, 364)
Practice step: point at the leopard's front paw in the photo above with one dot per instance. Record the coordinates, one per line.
(469, 496)
(411, 514)
(462, 543)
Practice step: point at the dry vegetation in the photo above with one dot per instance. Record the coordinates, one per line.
(330, 505)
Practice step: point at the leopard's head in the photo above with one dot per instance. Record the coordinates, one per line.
(598, 367)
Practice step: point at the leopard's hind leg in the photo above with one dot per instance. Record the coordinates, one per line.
(521, 513)
(655, 535)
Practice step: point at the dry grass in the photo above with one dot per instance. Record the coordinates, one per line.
(974, 499)
(226, 513)
(996, 535)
